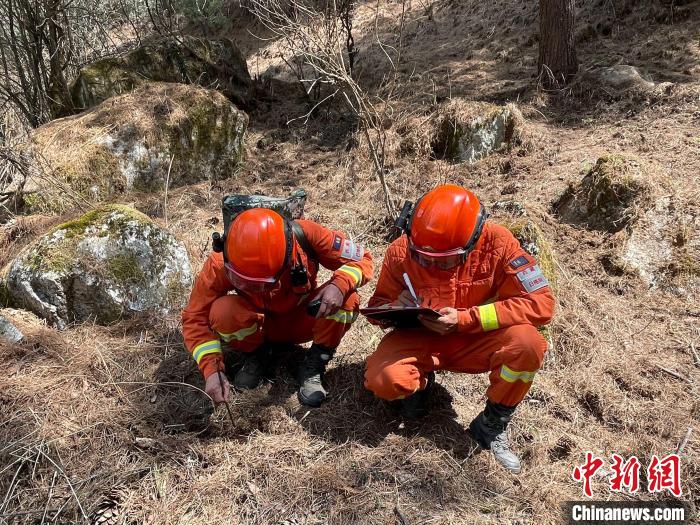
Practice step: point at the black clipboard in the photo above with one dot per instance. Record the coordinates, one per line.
(403, 317)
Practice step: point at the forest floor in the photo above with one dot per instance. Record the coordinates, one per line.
(95, 412)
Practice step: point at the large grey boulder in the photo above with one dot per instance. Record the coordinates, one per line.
(466, 131)
(157, 135)
(111, 262)
(664, 247)
(215, 64)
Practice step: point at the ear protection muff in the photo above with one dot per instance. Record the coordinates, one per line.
(298, 271)
(478, 228)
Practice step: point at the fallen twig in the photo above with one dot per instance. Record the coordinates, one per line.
(167, 183)
(400, 516)
(25, 512)
(228, 408)
(684, 442)
(48, 500)
(674, 374)
(695, 355)
(70, 485)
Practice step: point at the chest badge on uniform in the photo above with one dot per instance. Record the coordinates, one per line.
(532, 278)
(337, 242)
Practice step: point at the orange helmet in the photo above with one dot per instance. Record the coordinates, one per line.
(445, 226)
(257, 249)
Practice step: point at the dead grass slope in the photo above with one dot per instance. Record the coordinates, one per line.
(99, 410)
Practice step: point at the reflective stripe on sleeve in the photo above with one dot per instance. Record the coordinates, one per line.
(354, 272)
(241, 334)
(510, 375)
(210, 347)
(343, 316)
(489, 319)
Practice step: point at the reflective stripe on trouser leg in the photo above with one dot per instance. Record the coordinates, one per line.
(509, 387)
(509, 375)
(523, 352)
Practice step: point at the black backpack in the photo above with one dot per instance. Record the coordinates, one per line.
(291, 208)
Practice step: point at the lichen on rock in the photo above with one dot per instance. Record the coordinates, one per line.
(9, 332)
(609, 197)
(111, 262)
(469, 131)
(216, 64)
(462, 131)
(157, 135)
(663, 247)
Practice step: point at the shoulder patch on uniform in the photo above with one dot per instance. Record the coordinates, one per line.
(352, 251)
(337, 242)
(518, 262)
(532, 278)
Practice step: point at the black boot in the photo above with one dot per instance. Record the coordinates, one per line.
(489, 430)
(415, 406)
(310, 375)
(254, 366)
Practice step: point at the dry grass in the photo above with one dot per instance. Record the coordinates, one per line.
(118, 408)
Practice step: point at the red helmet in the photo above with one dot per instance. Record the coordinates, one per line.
(257, 249)
(445, 226)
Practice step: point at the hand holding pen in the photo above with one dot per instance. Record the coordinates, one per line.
(408, 297)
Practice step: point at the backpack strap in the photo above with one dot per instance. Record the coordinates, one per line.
(303, 241)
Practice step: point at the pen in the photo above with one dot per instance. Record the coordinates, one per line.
(407, 280)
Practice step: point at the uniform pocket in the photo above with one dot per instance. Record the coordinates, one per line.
(475, 293)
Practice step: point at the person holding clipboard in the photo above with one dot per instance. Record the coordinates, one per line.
(462, 295)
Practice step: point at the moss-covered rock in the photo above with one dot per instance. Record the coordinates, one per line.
(157, 134)
(111, 262)
(466, 131)
(216, 64)
(610, 196)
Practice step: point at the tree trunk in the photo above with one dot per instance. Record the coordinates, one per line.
(557, 62)
(57, 86)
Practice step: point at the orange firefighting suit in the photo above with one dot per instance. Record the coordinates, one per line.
(245, 321)
(501, 296)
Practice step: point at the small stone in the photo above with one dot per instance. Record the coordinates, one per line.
(9, 332)
(623, 77)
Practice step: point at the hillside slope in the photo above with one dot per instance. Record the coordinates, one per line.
(114, 416)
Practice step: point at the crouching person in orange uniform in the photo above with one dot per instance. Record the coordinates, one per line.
(491, 295)
(256, 293)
